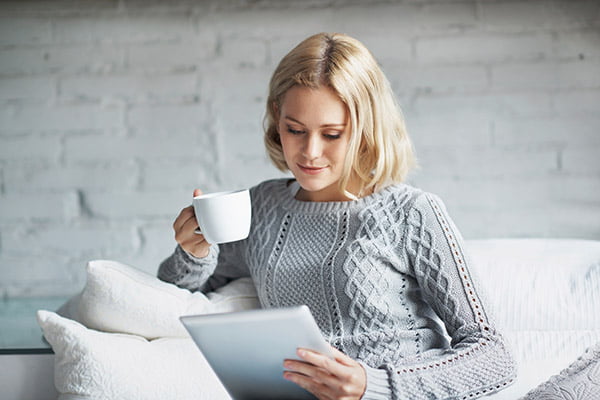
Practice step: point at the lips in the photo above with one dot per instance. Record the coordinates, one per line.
(311, 170)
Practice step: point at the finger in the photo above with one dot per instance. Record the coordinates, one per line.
(185, 232)
(322, 361)
(197, 192)
(196, 245)
(318, 389)
(341, 357)
(304, 368)
(185, 214)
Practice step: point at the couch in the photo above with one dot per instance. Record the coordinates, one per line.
(121, 337)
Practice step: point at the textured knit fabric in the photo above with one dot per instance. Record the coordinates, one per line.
(386, 278)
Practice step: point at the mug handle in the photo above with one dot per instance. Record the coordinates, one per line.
(198, 231)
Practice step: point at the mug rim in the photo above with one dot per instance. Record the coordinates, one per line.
(218, 194)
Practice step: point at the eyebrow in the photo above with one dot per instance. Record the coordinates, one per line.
(322, 126)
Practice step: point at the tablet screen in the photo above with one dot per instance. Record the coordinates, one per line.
(246, 349)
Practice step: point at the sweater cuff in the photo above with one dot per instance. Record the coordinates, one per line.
(213, 254)
(378, 384)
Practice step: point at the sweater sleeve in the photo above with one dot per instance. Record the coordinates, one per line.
(478, 361)
(223, 264)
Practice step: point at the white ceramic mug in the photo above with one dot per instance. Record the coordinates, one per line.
(223, 216)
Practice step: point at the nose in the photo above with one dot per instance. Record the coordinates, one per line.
(313, 147)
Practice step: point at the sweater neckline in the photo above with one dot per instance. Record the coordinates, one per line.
(289, 202)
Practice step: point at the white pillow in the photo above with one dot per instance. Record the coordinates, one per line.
(540, 284)
(120, 298)
(96, 365)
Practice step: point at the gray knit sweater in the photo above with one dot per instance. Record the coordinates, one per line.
(386, 278)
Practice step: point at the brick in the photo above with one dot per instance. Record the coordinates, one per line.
(583, 160)
(51, 118)
(579, 103)
(168, 118)
(452, 16)
(439, 79)
(122, 28)
(529, 15)
(559, 130)
(244, 52)
(579, 74)
(525, 77)
(462, 128)
(368, 19)
(27, 88)
(189, 55)
(484, 48)
(21, 60)
(547, 76)
(61, 59)
(92, 178)
(245, 172)
(23, 274)
(190, 145)
(517, 14)
(158, 242)
(397, 52)
(183, 175)
(45, 207)
(131, 87)
(91, 241)
(24, 31)
(137, 205)
(29, 147)
(494, 105)
(581, 44)
(251, 23)
(227, 87)
(242, 141)
(484, 161)
(549, 221)
(573, 190)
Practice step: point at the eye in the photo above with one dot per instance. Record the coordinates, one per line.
(294, 131)
(332, 135)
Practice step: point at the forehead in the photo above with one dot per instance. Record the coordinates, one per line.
(321, 105)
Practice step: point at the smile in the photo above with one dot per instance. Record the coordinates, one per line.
(311, 170)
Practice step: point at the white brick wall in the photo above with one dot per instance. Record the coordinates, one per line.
(111, 113)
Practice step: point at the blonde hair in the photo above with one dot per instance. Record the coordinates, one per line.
(380, 151)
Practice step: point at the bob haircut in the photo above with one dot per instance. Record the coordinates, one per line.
(380, 151)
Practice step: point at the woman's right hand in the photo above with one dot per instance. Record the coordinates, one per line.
(185, 226)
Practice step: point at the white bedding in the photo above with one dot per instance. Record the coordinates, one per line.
(545, 294)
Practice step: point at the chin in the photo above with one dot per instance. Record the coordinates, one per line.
(315, 187)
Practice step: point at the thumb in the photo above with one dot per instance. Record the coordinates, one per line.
(197, 192)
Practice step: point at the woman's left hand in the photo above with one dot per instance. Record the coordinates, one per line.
(338, 378)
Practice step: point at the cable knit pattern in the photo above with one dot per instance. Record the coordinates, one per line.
(386, 278)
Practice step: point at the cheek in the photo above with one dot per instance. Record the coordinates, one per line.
(340, 152)
(287, 146)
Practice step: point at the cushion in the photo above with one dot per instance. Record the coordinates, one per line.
(120, 298)
(544, 296)
(581, 380)
(98, 365)
(540, 284)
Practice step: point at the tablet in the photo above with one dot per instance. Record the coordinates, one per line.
(246, 349)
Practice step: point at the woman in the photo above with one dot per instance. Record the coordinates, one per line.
(379, 263)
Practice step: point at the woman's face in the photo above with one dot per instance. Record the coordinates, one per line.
(315, 135)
